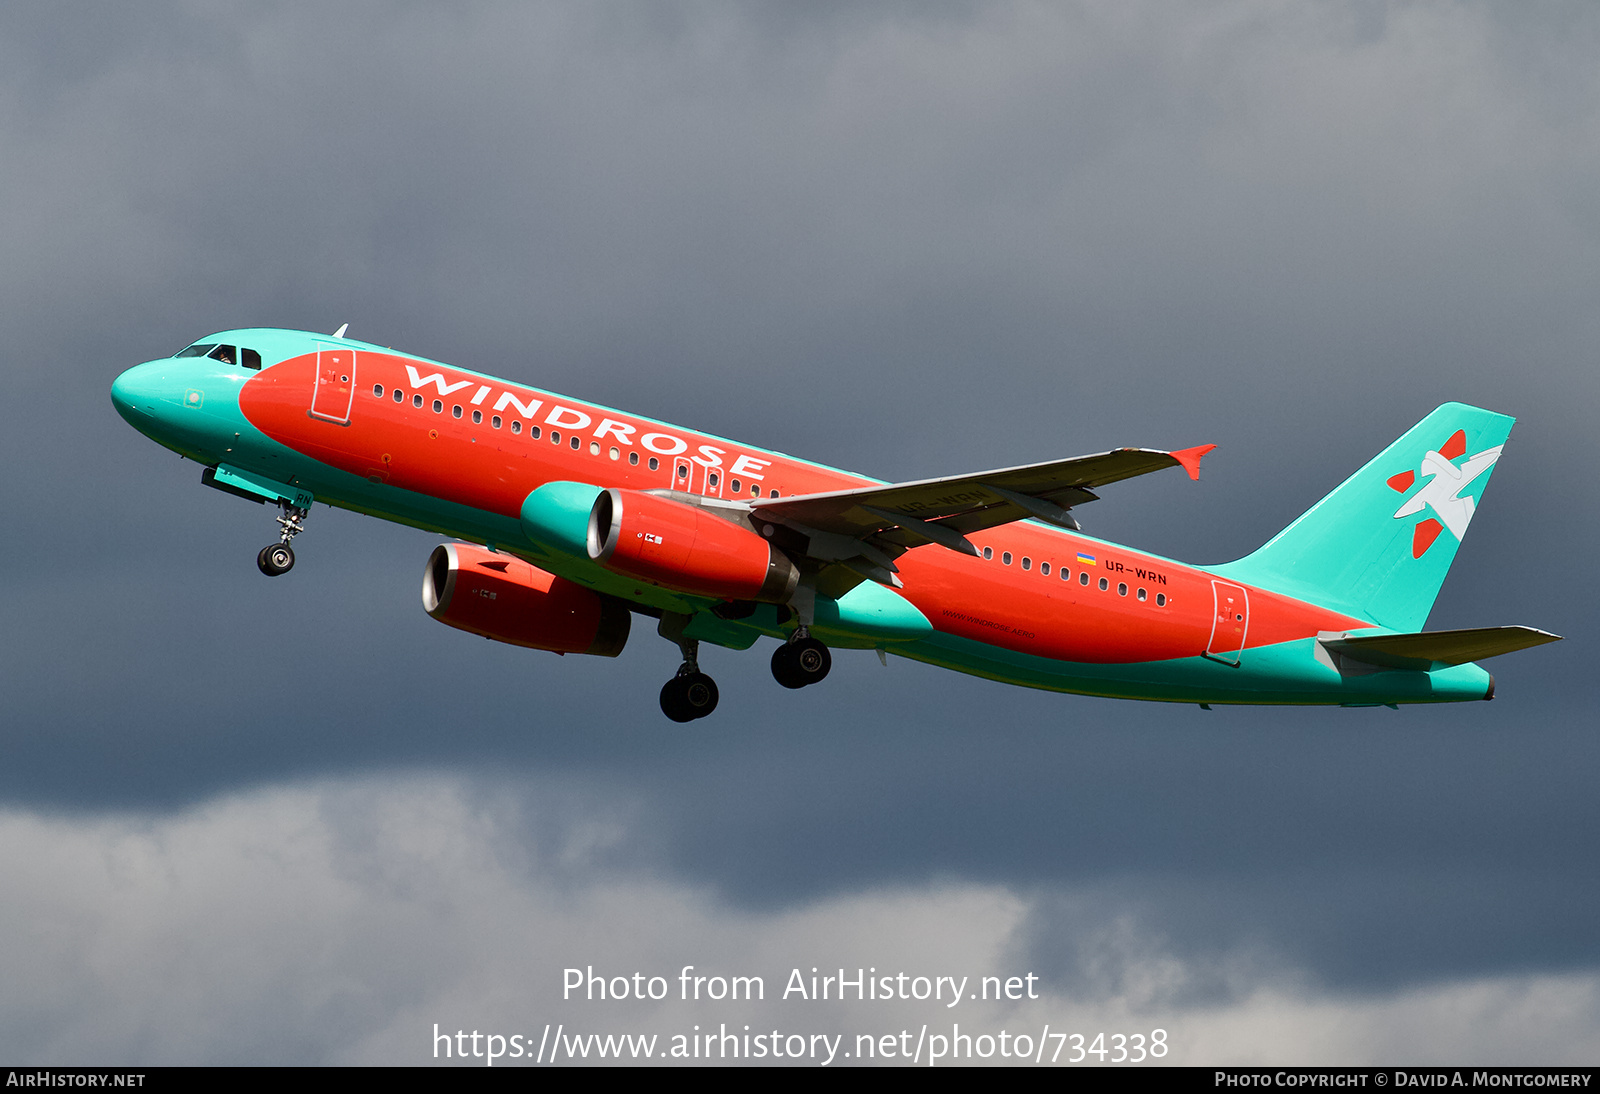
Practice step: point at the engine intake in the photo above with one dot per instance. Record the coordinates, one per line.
(504, 598)
(687, 548)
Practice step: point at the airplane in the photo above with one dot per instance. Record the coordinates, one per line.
(567, 519)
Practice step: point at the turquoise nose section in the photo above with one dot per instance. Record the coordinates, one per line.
(188, 405)
(140, 393)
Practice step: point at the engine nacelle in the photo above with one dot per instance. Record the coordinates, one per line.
(504, 598)
(687, 548)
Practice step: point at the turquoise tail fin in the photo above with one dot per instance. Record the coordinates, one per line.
(1379, 546)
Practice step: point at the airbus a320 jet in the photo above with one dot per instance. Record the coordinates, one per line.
(567, 519)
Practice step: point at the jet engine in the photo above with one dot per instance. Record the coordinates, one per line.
(504, 598)
(687, 548)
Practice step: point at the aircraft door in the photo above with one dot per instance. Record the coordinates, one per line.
(336, 383)
(1230, 621)
(711, 482)
(683, 474)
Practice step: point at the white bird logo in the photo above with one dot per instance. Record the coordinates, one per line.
(1442, 489)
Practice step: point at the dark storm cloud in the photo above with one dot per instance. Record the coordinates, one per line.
(907, 241)
(334, 923)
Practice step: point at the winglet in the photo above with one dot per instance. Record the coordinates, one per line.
(1189, 459)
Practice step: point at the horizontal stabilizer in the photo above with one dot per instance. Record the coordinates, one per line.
(1429, 650)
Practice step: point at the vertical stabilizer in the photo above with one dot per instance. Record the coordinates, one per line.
(1380, 545)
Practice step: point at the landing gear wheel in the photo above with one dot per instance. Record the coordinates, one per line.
(275, 559)
(690, 694)
(783, 668)
(674, 704)
(700, 693)
(799, 664)
(685, 698)
(812, 659)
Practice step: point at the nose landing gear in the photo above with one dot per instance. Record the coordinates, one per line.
(278, 558)
(801, 661)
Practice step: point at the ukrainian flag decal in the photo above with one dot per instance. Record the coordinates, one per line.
(1085, 560)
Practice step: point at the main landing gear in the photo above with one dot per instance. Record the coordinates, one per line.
(801, 661)
(691, 693)
(278, 558)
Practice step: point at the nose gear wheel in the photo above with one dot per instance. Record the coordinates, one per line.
(278, 558)
(275, 559)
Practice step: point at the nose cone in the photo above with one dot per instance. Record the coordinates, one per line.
(182, 403)
(138, 393)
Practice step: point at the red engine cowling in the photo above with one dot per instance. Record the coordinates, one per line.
(504, 598)
(686, 547)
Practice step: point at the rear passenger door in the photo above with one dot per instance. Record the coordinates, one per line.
(1230, 622)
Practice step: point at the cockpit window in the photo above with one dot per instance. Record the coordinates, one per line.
(228, 355)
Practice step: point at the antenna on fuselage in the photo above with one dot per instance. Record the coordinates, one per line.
(340, 332)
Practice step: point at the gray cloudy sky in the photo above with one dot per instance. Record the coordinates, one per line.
(296, 821)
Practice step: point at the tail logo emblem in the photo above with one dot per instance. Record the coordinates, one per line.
(1442, 491)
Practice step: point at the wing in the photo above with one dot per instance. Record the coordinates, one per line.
(867, 527)
(969, 503)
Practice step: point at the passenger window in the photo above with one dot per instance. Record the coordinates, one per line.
(1143, 595)
(683, 471)
(533, 431)
(250, 359)
(1083, 577)
(1027, 563)
(1044, 569)
(477, 417)
(1104, 584)
(988, 552)
(399, 396)
(654, 463)
(438, 407)
(1161, 600)
(516, 425)
(712, 480)
(594, 448)
(455, 411)
(495, 421)
(734, 485)
(555, 435)
(416, 401)
(1122, 588)
(774, 493)
(633, 459)
(615, 453)
(576, 442)
(755, 489)
(377, 389)
(1005, 558)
